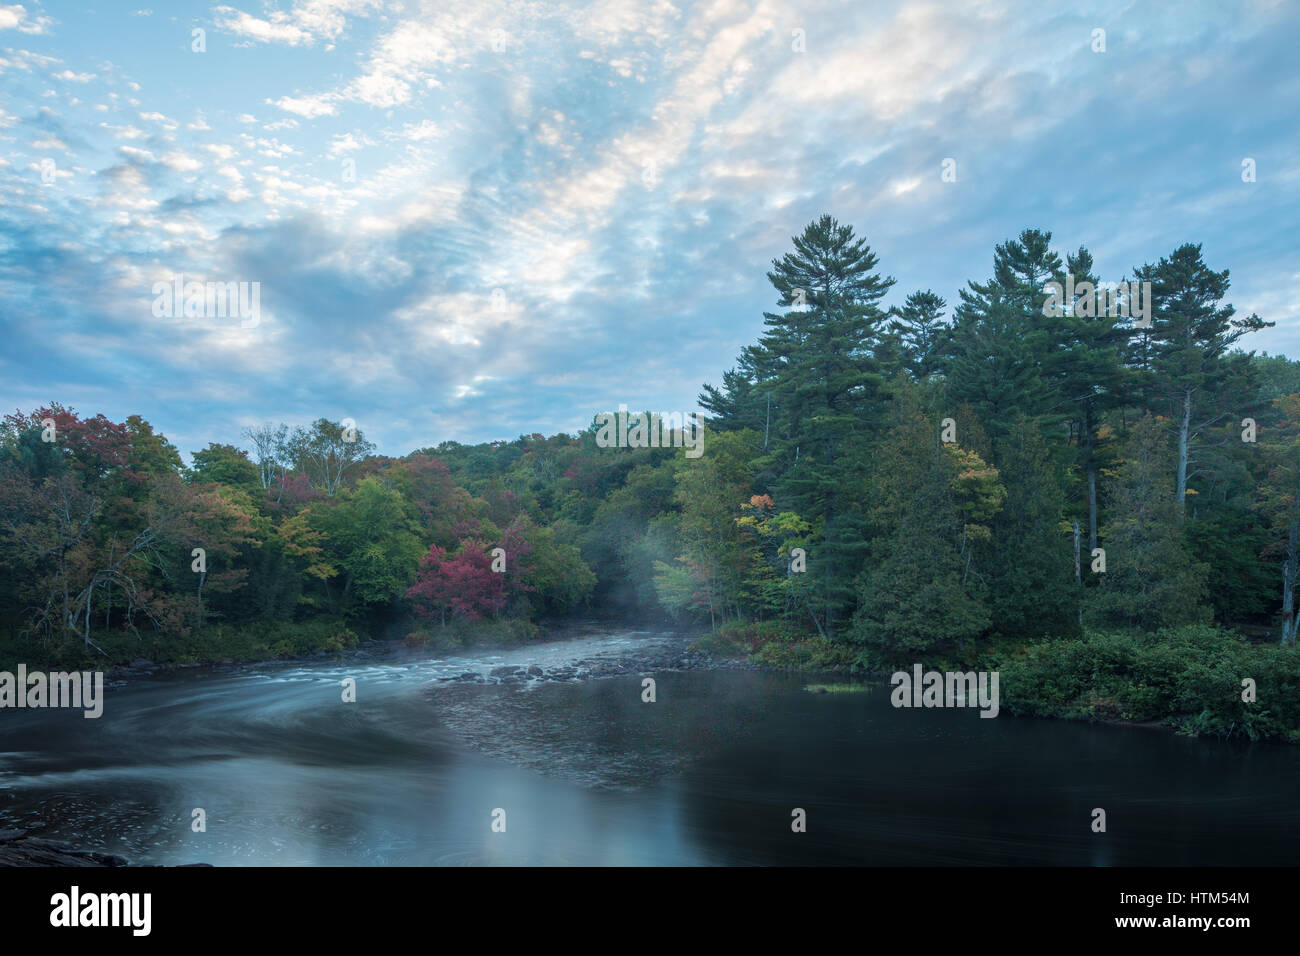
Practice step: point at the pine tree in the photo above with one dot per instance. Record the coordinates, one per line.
(1191, 336)
(916, 593)
(1152, 579)
(922, 333)
(1001, 340)
(1088, 370)
(1031, 571)
(816, 363)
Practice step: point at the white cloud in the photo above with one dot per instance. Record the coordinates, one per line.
(15, 17)
(160, 118)
(307, 22)
(181, 162)
(278, 29)
(143, 155)
(418, 132)
(345, 144)
(308, 107)
(124, 132)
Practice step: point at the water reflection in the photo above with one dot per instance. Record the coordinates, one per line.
(587, 773)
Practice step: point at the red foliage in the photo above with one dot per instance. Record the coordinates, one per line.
(464, 583)
(96, 446)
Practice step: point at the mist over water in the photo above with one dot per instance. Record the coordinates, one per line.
(587, 773)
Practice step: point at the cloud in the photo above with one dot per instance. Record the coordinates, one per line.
(308, 107)
(623, 171)
(303, 25)
(278, 29)
(16, 17)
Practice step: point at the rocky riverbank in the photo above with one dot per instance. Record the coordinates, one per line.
(24, 848)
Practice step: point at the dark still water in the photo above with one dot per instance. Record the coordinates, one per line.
(587, 773)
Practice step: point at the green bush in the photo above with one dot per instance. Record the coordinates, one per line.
(776, 644)
(459, 633)
(1189, 677)
(252, 642)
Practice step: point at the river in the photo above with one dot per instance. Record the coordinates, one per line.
(587, 773)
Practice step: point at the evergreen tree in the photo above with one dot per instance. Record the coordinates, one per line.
(1031, 572)
(817, 362)
(916, 593)
(1001, 341)
(1191, 336)
(922, 333)
(1152, 579)
(1088, 370)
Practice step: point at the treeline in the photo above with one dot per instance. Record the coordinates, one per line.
(1006, 470)
(887, 481)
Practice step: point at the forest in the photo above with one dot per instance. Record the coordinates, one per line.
(1105, 508)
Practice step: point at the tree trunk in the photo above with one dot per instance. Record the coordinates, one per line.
(818, 623)
(1092, 508)
(1078, 570)
(198, 623)
(90, 594)
(1184, 430)
(1290, 570)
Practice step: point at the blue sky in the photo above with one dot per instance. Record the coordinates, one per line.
(622, 171)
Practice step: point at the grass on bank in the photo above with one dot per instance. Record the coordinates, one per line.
(213, 643)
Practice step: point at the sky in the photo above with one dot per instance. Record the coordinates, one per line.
(474, 219)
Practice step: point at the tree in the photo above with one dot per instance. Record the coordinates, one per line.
(463, 584)
(916, 592)
(1152, 579)
(219, 520)
(1031, 568)
(1001, 342)
(326, 452)
(709, 493)
(224, 465)
(774, 583)
(922, 333)
(1088, 371)
(1191, 335)
(367, 536)
(269, 443)
(817, 360)
(554, 575)
(1279, 497)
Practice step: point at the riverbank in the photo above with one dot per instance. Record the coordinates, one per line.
(1199, 681)
(25, 848)
(124, 656)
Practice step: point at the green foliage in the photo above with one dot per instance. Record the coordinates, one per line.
(369, 540)
(920, 589)
(1189, 677)
(1152, 578)
(778, 645)
(827, 524)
